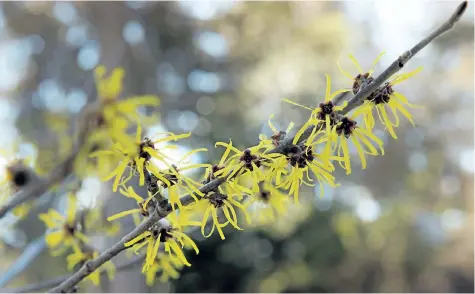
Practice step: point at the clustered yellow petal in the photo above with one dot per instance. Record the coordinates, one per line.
(256, 183)
(64, 233)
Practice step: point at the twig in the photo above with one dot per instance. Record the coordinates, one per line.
(92, 265)
(339, 98)
(58, 280)
(62, 170)
(399, 63)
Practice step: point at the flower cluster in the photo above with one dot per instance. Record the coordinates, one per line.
(248, 185)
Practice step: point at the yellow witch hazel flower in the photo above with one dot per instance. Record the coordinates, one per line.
(244, 162)
(167, 266)
(167, 233)
(274, 140)
(346, 129)
(225, 199)
(13, 177)
(15, 171)
(109, 88)
(384, 99)
(324, 113)
(269, 203)
(115, 116)
(138, 157)
(65, 232)
(95, 277)
(302, 164)
(176, 181)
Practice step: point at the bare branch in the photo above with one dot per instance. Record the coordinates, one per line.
(399, 63)
(338, 98)
(62, 170)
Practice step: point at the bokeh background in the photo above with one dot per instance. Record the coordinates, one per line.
(221, 68)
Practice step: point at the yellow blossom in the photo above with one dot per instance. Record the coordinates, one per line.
(176, 181)
(324, 113)
(346, 129)
(304, 163)
(383, 100)
(268, 204)
(138, 157)
(64, 230)
(225, 199)
(16, 172)
(274, 140)
(114, 115)
(164, 232)
(167, 265)
(248, 161)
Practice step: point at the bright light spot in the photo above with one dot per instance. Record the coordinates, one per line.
(3, 165)
(14, 60)
(466, 160)
(361, 199)
(136, 4)
(368, 210)
(452, 219)
(173, 155)
(463, 119)
(325, 201)
(449, 185)
(213, 44)
(65, 12)
(169, 81)
(76, 98)
(88, 56)
(288, 78)
(187, 121)
(203, 128)
(350, 193)
(133, 32)
(206, 10)
(7, 110)
(90, 190)
(205, 105)
(76, 36)
(52, 95)
(201, 81)
(36, 44)
(27, 150)
(430, 227)
(417, 162)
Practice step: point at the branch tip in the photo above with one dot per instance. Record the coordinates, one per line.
(460, 10)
